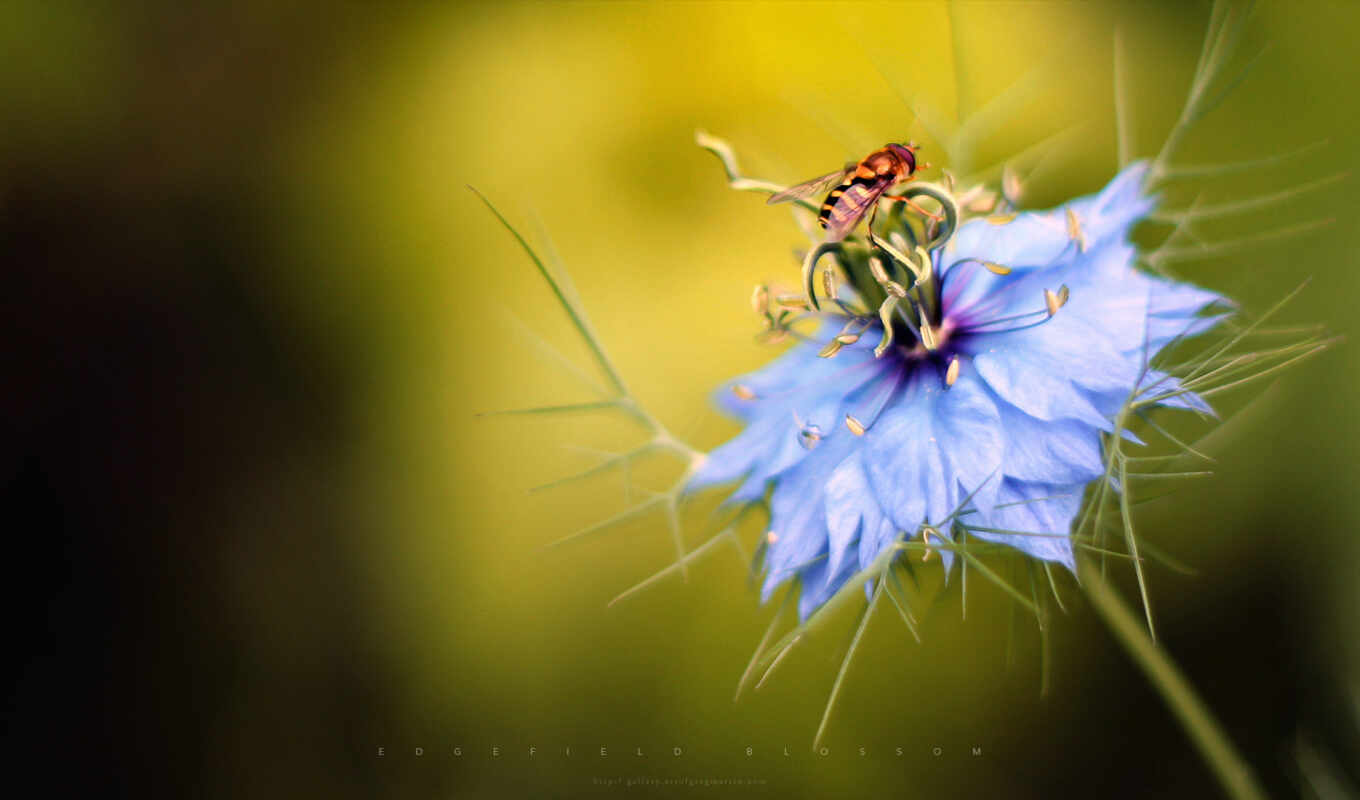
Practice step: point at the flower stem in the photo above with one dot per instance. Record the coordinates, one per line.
(1213, 744)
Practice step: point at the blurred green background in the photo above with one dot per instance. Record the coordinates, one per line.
(254, 313)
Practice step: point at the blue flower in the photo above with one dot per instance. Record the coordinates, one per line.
(996, 428)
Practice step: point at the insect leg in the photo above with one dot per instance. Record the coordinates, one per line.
(913, 206)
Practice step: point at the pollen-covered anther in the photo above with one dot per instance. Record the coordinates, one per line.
(928, 337)
(996, 269)
(742, 391)
(1001, 219)
(792, 302)
(848, 338)
(952, 373)
(1056, 300)
(760, 299)
(829, 283)
(1074, 231)
(978, 200)
(856, 427)
(1011, 187)
(831, 349)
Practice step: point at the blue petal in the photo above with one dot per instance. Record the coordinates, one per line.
(1168, 388)
(798, 511)
(1041, 510)
(771, 442)
(1040, 238)
(933, 447)
(1059, 451)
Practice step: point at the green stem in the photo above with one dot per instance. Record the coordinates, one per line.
(1213, 744)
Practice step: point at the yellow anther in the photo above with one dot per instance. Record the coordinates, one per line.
(1074, 231)
(743, 391)
(829, 282)
(1002, 219)
(856, 427)
(952, 373)
(928, 337)
(771, 537)
(832, 348)
(996, 269)
(760, 299)
(848, 338)
(1010, 184)
(1056, 300)
(979, 200)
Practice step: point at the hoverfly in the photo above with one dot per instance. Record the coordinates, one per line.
(857, 188)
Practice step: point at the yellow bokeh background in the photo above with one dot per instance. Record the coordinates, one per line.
(577, 121)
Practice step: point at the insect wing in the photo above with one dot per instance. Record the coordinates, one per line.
(812, 188)
(851, 205)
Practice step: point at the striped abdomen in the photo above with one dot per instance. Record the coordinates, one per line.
(847, 203)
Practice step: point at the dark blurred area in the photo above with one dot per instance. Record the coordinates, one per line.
(187, 602)
(163, 421)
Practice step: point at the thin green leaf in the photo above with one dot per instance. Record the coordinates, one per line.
(864, 618)
(577, 315)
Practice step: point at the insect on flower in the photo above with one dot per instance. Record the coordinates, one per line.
(1003, 361)
(858, 188)
(1015, 348)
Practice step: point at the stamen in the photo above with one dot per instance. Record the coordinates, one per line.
(845, 374)
(928, 338)
(743, 391)
(952, 373)
(885, 312)
(760, 299)
(1011, 187)
(829, 283)
(1056, 301)
(996, 269)
(978, 328)
(851, 330)
(876, 269)
(1052, 302)
(925, 538)
(771, 537)
(831, 349)
(1002, 219)
(976, 200)
(866, 415)
(1074, 231)
(856, 427)
(792, 302)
